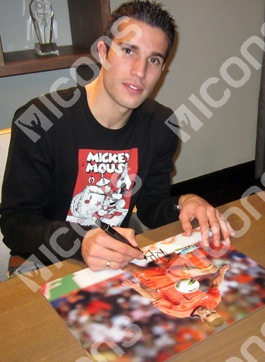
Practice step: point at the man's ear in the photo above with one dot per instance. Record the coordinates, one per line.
(102, 51)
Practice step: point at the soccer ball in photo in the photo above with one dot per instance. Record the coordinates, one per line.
(188, 285)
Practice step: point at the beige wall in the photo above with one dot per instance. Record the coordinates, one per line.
(211, 32)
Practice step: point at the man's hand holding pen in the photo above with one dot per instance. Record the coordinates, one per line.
(102, 251)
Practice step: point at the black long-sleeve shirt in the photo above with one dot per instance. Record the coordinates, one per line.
(64, 170)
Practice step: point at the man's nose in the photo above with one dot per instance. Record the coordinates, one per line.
(139, 67)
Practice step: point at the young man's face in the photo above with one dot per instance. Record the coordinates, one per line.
(134, 63)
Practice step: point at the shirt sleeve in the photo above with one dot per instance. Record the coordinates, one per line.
(155, 206)
(27, 182)
(179, 311)
(214, 297)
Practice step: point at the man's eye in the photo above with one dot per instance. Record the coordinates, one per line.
(155, 61)
(127, 51)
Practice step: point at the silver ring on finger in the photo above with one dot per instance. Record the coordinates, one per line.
(108, 265)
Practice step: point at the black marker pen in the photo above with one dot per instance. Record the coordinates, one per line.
(114, 233)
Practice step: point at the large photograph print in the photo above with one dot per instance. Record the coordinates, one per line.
(159, 307)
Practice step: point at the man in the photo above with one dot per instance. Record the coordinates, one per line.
(95, 152)
(158, 284)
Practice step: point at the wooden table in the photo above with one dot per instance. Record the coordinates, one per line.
(31, 330)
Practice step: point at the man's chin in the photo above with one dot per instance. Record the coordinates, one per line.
(134, 105)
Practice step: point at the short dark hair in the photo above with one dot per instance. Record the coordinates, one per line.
(148, 12)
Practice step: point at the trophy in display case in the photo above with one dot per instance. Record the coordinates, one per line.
(42, 16)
